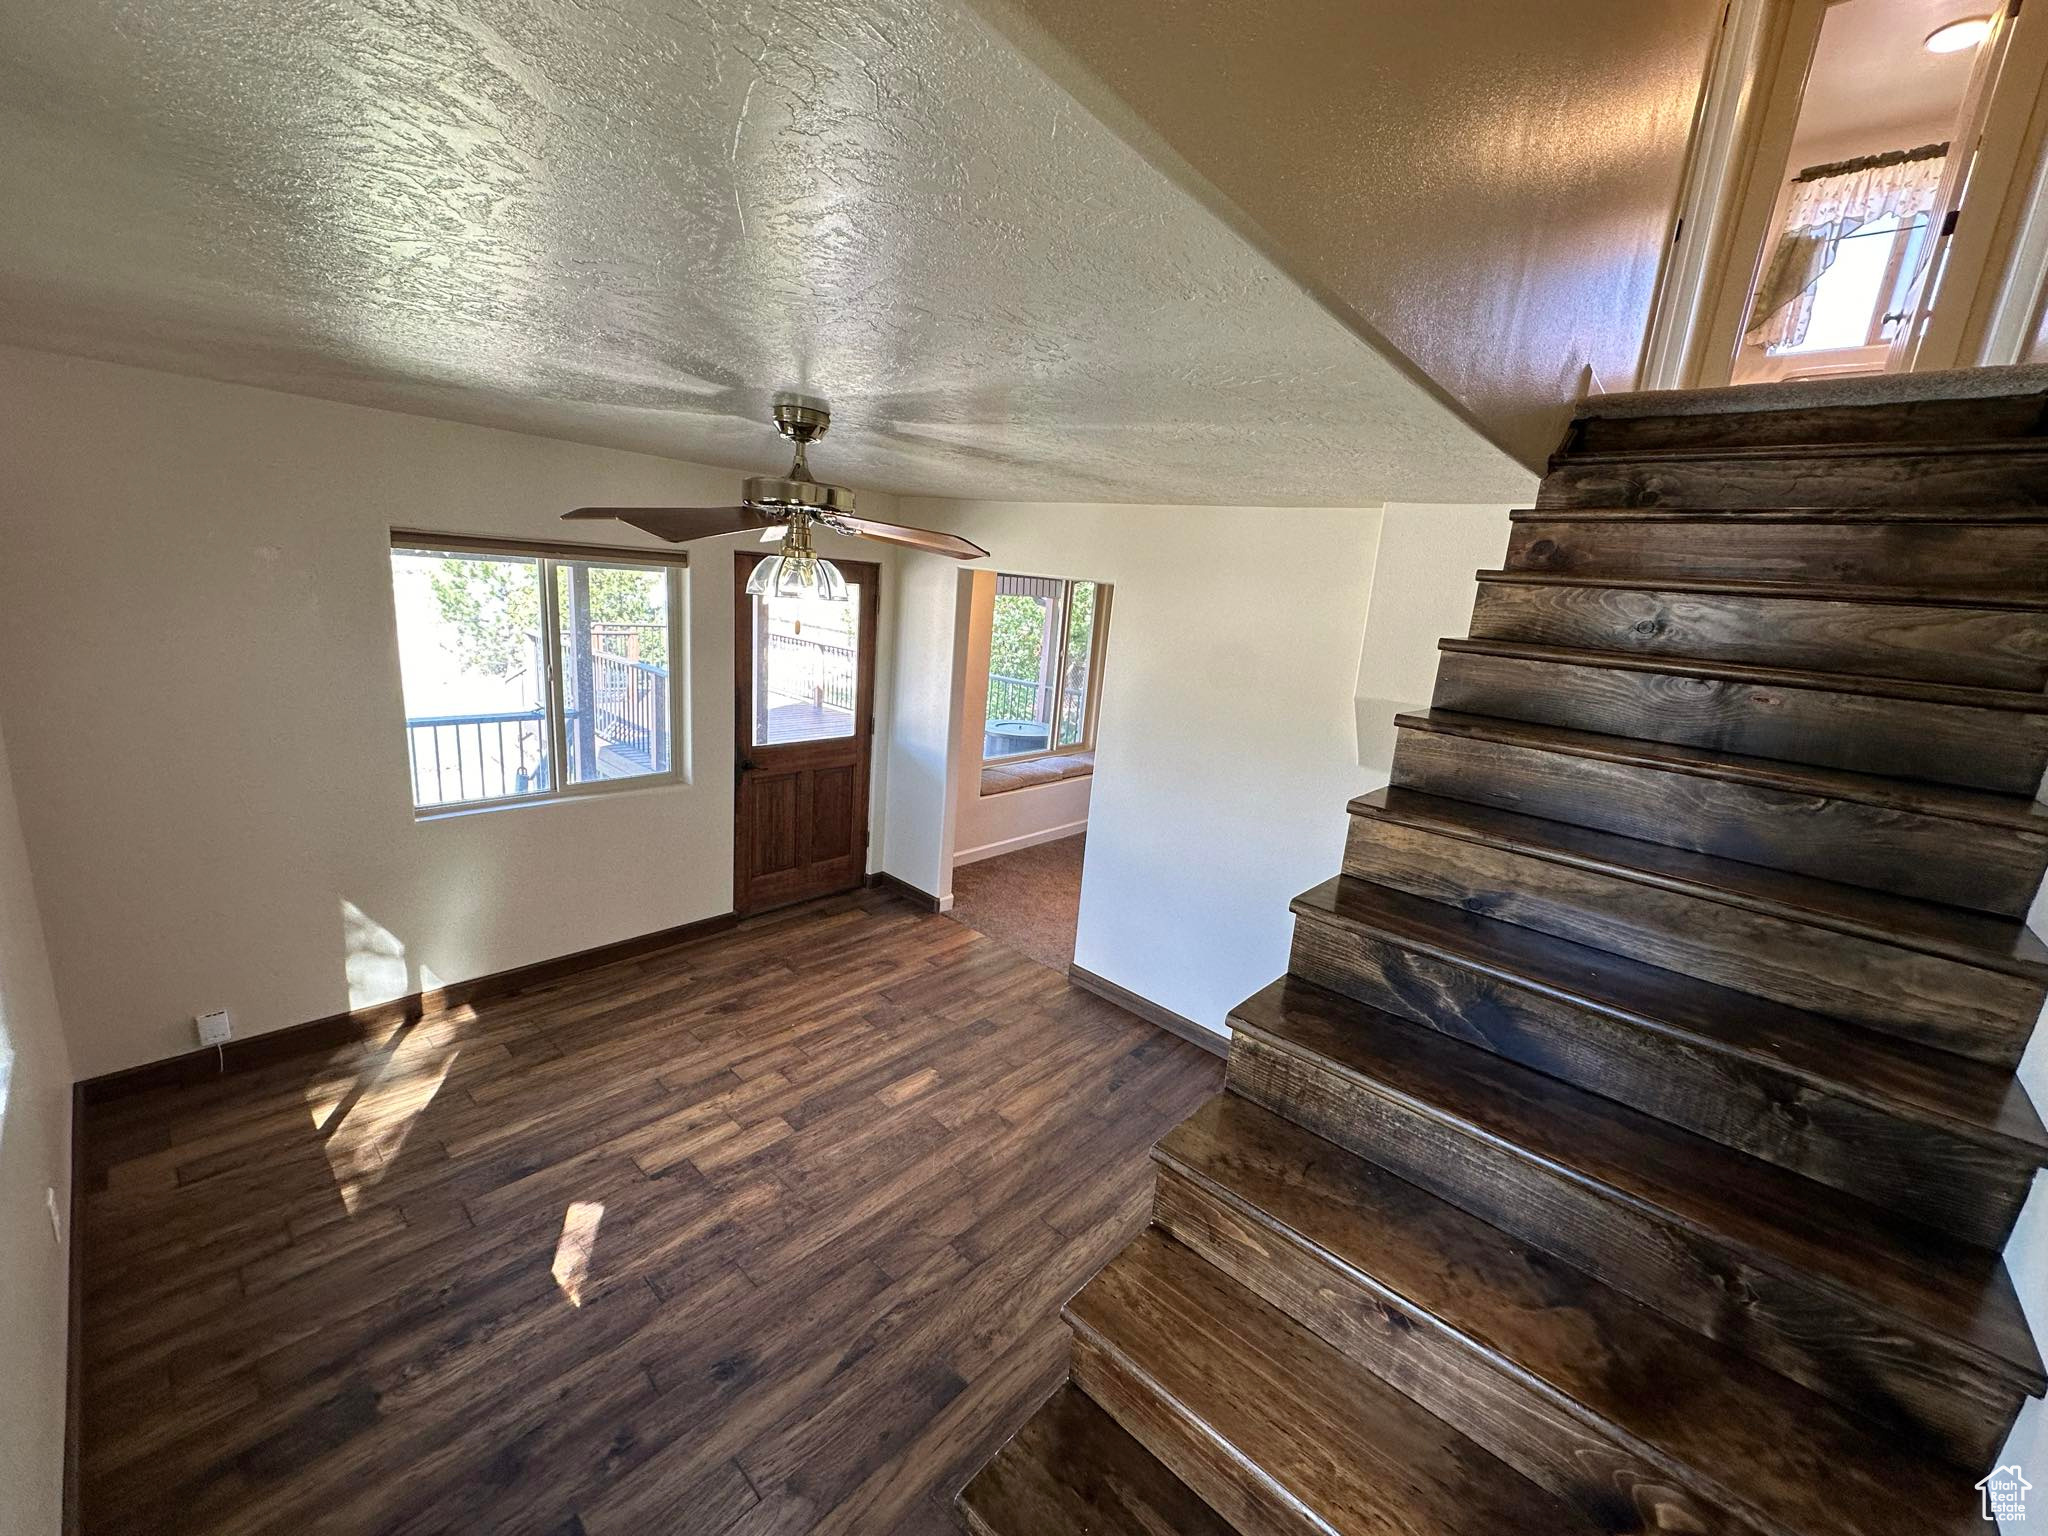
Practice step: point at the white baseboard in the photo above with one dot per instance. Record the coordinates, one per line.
(1012, 844)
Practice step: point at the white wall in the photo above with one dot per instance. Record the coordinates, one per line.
(992, 825)
(1226, 750)
(1422, 591)
(35, 1155)
(199, 682)
(986, 826)
(2026, 1253)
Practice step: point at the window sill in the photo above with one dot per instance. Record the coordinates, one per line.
(1030, 772)
(606, 789)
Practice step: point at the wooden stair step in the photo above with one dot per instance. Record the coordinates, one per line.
(1981, 554)
(1936, 1138)
(1275, 1429)
(1956, 980)
(2000, 419)
(1580, 1389)
(2005, 474)
(1071, 1469)
(1963, 847)
(1984, 646)
(2006, 601)
(1981, 738)
(1885, 1316)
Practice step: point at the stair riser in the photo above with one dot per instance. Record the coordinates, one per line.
(1936, 643)
(1926, 998)
(1530, 1429)
(2016, 417)
(1963, 557)
(1996, 749)
(2015, 478)
(1914, 1170)
(1247, 1501)
(1961, 863)
(1823, 1340)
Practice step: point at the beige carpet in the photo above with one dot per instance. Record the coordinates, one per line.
(1029, 900)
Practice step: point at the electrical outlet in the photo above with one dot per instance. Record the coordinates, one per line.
(56, 1216)
(214, 1028)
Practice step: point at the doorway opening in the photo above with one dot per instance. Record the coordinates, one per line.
(1866, 193)
(1030, 702)
(1851, 256)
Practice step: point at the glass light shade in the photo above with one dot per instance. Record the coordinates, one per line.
(1958, 35)
(798, 576)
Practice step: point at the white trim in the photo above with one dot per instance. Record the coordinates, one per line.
(2015, 307)
(2011, 325)
(1715, 171)
(1012, 844)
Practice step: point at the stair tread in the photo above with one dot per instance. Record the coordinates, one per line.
(1755, 516)
(1072, 1468)
(1815, 591)
(1951, 694)
(1783, 1223)
(1341, 1445)
(1762, 1443)
(1957, 1094)
(2019, 812)
(1969, 938)
(1736, 453)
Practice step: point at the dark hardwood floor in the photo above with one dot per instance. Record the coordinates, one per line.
(768, 1233)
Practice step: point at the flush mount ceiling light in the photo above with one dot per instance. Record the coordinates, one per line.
(788, 507)
(1958, 35)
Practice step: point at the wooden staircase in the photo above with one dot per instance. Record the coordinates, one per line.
(1631, 1143)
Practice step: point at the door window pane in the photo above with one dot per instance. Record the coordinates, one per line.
(615, 674)
(806, 662)
(470, 663)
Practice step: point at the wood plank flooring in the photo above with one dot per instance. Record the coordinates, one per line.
(764, 1234)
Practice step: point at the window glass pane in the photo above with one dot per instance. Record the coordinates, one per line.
(469, 655)
(1912, 267)
(806, 662)
(1023, 657)
(1080, 658)
(1846, 296)
(615, 683)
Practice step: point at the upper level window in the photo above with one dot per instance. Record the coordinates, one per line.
(530, 670)
(1044, 666)
(1861, 299)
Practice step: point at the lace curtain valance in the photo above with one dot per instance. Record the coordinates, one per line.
(1829, 203)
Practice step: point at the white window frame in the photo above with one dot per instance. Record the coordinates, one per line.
(1097, 646)
(549, 558)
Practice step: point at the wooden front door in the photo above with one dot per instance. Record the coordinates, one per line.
(805, 737)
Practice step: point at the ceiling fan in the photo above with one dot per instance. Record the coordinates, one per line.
(787, 508)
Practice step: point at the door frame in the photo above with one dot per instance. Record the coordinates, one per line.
(1997, 264)
(799, 755)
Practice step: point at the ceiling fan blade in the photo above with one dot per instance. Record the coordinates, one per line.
(678, 524)
(910, 538)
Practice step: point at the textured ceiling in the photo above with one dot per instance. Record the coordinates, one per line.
(1874, 86)
(630, 224)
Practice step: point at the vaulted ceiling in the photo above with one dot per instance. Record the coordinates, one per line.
(630, 224)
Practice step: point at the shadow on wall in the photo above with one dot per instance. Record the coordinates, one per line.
(1422, 592)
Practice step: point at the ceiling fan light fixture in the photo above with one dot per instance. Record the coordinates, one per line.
(1965, 32)
(798, 576)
